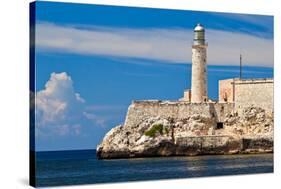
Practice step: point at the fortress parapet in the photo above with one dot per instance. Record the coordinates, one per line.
(140, 110)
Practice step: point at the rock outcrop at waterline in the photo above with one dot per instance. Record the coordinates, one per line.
(195, 134)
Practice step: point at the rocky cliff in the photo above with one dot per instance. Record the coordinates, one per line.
(194, 134)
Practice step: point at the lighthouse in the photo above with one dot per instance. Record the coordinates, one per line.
(199, 90)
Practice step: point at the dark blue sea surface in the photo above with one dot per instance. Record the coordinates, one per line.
(81, 167)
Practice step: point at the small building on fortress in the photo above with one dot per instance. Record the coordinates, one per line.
(240, 121)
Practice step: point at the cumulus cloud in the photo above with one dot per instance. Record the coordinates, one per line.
(55, 105)
(61, 111)
(167, 45)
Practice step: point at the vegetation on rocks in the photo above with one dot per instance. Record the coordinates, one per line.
(157, 128)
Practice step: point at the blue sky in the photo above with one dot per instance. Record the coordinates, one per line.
(92, 61)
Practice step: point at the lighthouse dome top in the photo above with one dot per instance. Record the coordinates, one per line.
(199, 27)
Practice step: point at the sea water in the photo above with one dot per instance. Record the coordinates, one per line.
(82, 167)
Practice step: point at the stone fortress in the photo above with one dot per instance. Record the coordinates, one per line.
(241, 121)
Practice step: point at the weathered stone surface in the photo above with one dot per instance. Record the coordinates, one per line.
(246, 92)
(194, 134)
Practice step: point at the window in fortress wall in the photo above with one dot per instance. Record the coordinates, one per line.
(219, 125)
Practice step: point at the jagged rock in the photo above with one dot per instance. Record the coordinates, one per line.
(253, 121)
(249, 132)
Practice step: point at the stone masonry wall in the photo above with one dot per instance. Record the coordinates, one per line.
(226, 90)
(248, 92)
(141, 110)
(258, 93)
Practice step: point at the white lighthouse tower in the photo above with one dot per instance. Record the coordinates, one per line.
(199, 90)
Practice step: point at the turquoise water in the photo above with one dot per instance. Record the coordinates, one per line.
(82, 167)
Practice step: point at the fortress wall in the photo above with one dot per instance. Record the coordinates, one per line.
(247, 92)
(222, 109)
(226, 90)
(258, 93)
(141, 110)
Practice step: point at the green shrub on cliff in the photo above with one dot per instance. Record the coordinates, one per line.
(154, 129)
(166, 130)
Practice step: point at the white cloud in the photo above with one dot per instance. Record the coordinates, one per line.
(79, 98)
(56, 103)
(98, 120)
(64, 130)
(61, 111)
(103, 114)
(169, 45)
(106, 108)
(260, 21)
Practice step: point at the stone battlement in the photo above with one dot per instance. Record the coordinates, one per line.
(165, 102)
(253, 81)
(140, 110)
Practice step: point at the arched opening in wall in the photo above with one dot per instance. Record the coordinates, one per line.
(205, 99)
(219, 125)
(225, 97)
